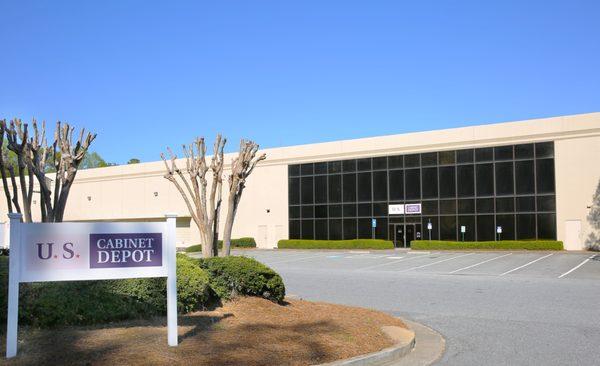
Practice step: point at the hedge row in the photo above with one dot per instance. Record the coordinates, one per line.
(335, 244)
(46, 304)
(501, 244)
(235, 243)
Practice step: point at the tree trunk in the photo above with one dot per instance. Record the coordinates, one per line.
(226, 251)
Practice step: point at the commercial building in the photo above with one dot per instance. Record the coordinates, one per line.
(516, 180)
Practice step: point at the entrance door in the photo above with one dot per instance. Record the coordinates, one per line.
(412, 232)
(403, 234)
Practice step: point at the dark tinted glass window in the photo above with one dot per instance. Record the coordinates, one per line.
(504, 178)
(507, 222)
(380, 186)
(335, 188)
(447, 157)
(294, 191)
(293, 170)
(447, 207)
(546, 226)
(429, 207)
(485, 228)
(525, 204)
(381, 231)
(546, 203)
(466, 206)
(411, 161)
(364, 187)
(335, 210)
(396, 186)
(307, 190)
(506, 204)
(363, 164)
(464, 156)
(524, 151)
(484, 154)
(448, 227)
(294, 212)
(321, 229)
(429, 159)
(349, 165)
(349, 210)
(334, 166)
(525, 226)
(321, 211)
(412, 183)
(349, 229)
(485, 205)
(429, 179)
(295, 229)
(335, 229)
(364, 229)
(308, 229)
(320, 168)
(469, 223)
(308, 212)
(395, 161)
(545, 176)
(380, 209)
(544, 150)
(466, 180)
(524, 176)
(321, 189)
(380, 163)
(349, 187)
(485, 179)
(447, 182)
(306, 169)
(364, 209)
(503, 153)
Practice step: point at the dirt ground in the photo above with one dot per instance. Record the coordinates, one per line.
(247, 331)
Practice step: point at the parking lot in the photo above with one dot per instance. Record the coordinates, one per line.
(550, 265)
(493, 308)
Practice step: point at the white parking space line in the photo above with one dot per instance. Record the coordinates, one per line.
(388, 263)
(526, 264)
(577, 266)
(477, 264)
(431, 264)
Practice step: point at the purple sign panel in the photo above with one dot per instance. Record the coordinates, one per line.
(414, 208)
(125, 250)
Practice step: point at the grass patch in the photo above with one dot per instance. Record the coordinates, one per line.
(235, 243)
(335, 244)
(501, 245)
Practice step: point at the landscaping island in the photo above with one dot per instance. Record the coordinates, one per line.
(487, 245)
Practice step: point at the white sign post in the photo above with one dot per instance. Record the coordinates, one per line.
(90, 251)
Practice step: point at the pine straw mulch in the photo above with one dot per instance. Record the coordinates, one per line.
(247, 331)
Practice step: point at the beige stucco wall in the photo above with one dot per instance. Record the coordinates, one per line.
(128, 192)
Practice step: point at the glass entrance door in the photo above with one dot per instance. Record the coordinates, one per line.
(403, 234)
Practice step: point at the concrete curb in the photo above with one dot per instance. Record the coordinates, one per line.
(418, 346)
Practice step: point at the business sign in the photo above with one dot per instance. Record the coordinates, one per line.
(90, 251)
(408, 209)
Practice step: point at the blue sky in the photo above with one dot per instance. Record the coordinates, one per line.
(283, 73)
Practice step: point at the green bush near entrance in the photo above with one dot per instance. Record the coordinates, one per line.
(335, 244)
(496, 245)
(235, 243)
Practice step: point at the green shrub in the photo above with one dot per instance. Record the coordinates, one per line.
(502, 244)
(230, 276)
(235, 243)
(335, 244)
(46, 304)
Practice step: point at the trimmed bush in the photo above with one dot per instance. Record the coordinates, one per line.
(502, 244)
(335, 244)
(47, 304)
(231, 276)
(235, 243)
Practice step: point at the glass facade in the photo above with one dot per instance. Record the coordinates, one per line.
(481, 189)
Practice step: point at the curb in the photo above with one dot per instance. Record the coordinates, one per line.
(420, 345)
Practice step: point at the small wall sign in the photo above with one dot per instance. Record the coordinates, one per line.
(408, 209)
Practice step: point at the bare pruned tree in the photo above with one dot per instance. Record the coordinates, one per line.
(241, 168)
(204, 204)
(32, 156)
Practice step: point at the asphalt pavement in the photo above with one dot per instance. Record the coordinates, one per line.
(493, 308)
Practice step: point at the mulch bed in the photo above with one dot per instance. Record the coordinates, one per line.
(247, 331)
